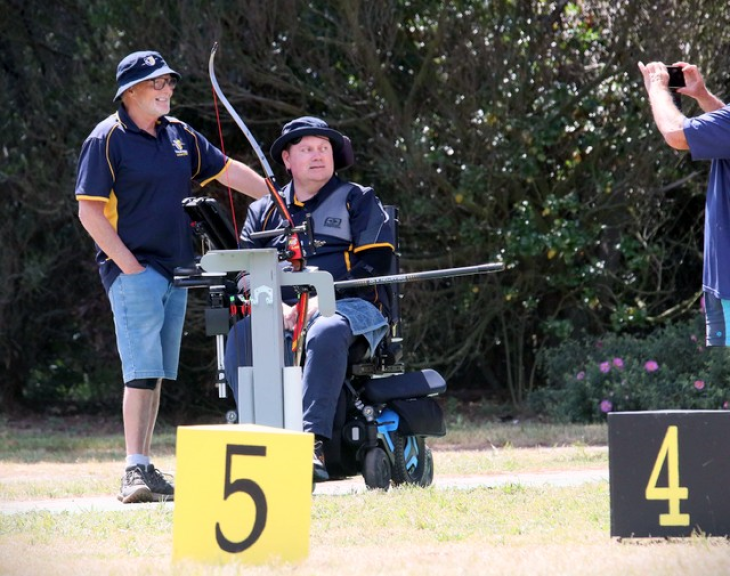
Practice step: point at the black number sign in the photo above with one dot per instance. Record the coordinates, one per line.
(669, 473)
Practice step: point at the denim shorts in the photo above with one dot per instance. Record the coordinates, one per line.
(717, 316)
(149, 313)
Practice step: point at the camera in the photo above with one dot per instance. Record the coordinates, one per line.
(676, 77)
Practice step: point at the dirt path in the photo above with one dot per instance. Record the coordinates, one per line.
(336, 488)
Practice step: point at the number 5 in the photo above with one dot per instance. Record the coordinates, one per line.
(673, 493)
(247, 487)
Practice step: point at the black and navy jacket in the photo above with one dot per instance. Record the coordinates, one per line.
(143, 179)
(351, 228)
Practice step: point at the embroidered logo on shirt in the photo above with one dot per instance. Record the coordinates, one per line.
(333, 222)
(179, 147)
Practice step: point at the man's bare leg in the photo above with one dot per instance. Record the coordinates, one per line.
(154, 410)
(137, 408)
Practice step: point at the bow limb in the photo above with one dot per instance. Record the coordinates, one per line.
(300, 330)
(237, 119)
(293, 244)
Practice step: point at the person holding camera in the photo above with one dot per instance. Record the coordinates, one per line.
(707, 137)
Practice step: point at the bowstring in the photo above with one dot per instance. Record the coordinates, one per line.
(228, 182)
(230, 201)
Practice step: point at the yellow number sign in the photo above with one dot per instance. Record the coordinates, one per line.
(242, 492)
(673, 493)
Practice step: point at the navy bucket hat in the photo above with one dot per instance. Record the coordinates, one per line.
(139, 66)
(311, 126)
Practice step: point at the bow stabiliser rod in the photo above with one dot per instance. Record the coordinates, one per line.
(418, 276)
(206, 280)
(294, 252)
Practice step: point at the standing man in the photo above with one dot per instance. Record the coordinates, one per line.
(353, 240)
(707, 137)
(135, 168)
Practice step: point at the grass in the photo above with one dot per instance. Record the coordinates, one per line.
(511, 529)
(521, 435)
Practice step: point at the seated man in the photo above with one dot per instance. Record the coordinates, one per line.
(353, 241)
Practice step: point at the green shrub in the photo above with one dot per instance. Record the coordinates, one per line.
(668, 369)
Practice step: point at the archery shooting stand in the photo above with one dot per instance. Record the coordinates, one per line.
(269, 392)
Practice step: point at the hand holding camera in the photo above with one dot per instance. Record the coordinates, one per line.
(676, 80)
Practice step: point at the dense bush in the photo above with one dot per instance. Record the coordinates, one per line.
(669, 369)
(503, 130)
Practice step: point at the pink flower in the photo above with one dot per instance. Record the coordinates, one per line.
(651, 366)
(606, 406)
(580, 375)
(699, 384)
(605, 367)
(725, 405)
(693, 338)
(619, 363)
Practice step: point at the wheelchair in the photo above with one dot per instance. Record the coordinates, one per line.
(384, 414)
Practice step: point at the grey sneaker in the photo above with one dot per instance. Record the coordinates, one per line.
(134, 486)
(162, 489)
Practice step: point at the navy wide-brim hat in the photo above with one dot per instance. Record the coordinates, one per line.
(139, 66)
(311, 126)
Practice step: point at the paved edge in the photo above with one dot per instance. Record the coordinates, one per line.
(336, 488)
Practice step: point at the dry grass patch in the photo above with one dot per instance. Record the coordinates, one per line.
(470, 434)
(512, 530)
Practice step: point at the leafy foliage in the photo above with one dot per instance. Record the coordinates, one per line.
(513, 131)
(669, 369)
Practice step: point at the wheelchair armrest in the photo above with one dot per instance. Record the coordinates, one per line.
(386, 360)
(358, 352)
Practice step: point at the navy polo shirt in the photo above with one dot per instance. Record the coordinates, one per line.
(143, 179)
(708, 137)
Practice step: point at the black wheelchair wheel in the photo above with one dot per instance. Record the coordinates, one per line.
(376, 469)
(413, 461)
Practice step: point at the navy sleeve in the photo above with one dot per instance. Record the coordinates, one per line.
(708, 135)
(372, 236)
(94, 177)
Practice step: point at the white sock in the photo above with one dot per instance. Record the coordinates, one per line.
(137, 460)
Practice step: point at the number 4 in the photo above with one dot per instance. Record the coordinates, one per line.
(673, 493)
